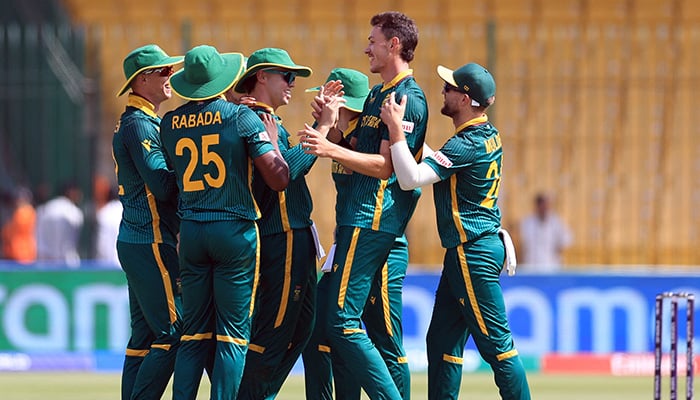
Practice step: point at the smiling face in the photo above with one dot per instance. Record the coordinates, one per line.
(279, 88)
(378, 50)
(154, 84)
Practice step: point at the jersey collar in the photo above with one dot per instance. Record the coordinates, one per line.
(267, 108)
(474, 121)
(398, 78)
(142, 104)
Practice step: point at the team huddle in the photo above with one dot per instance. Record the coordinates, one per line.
(221, 254)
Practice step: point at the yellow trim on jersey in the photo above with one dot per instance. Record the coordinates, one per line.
(142, 104)
(155, 217)
(351, 331)
(165, 347)
(507, 355)
(229, 339)
(402, 360)
(268, 108)
(256, 276)
(256, 348)
(455, 209)
(258, 214)
(452, 359)
(473, 121)
(196, 336)
(284, 215)
(386, 310)
(167, 284)
(287, 280)
(470, 290)
(397, 79)
(378, 205)
(324, 349)
(347, 267)
(136, 353)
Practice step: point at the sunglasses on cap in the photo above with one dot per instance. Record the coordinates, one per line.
(449, 87)
(288, 76)
(162, 71)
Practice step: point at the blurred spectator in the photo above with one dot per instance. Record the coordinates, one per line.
(543, 237)
(58, 226)
(18, 241)
(108, 217)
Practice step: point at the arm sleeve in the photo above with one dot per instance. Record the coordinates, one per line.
(252, 130)
(143, 145)
(299, 162)
(409, 174)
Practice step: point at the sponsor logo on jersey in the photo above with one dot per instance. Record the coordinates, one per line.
(441, 159)
(264, 136)
(371, 121)
(407, 126)
(146, 144)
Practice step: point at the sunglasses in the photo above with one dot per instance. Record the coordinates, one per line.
(449, 88)
(162, 71)
(288, 76)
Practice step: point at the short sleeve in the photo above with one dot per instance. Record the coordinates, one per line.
(252, 130)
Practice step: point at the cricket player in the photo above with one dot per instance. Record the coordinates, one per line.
(466, 173)
(284, 316)
(147, 240)
(212, 145)
(377, 213)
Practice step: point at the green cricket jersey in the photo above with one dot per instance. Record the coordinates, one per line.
(211, 145)
(380, 204)
(290, 208)
(341, 177)
(469, 164)
(147, 187)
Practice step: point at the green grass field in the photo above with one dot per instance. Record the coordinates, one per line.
(105, 386)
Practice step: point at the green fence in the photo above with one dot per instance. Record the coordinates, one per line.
(47, 107)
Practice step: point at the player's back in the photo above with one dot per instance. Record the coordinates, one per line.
(211, 158)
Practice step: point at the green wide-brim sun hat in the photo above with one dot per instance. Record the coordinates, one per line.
(355, 86)
(207, 73)
(270, 57)
(145, 57)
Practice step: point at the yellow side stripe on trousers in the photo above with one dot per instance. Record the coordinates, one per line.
(287, 280)
(452, 359)
(324, 349)
(229, 339)
(256, 348)
(507, 355)
(386, 309)
(347, 267)
(256, 277)
(167, 284)
(136, 353)
(197, 336)
(470, 290)
(351, 331)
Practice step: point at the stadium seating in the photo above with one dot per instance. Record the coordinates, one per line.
(595, 99)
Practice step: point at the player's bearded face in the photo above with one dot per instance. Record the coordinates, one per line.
(450, 107)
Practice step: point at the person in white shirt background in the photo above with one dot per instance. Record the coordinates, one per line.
(59, 223)
(108, 217)
(543, 237)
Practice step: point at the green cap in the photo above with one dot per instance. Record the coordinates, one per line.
(146, 57)
(206, 73)
(270, 57)
(355, 86)
(472, 79)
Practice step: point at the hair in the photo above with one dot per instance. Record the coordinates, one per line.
(249, 83)
(396, 24)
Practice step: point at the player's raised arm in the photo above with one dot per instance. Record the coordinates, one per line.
(409, 174)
